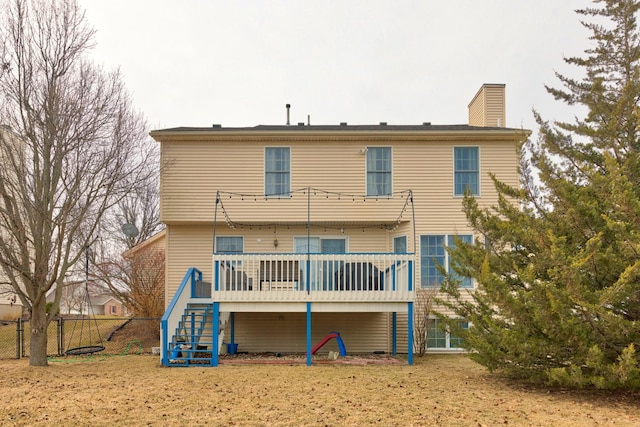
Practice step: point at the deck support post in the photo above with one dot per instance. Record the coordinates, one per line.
(232, 321)
(410, 334)
(215, 332)
(309, 334)
(394, 333)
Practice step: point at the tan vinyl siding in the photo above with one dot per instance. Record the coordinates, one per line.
(286, 332)
(477, 111)
(197, 170)
(427, 169)
(488, 106)
(187, 246)
(198, 166)
(192, 245)
(495, 110)
(194, 175)
(401, 332)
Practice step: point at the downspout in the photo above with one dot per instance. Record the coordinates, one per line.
(308, 274)
(215, 221)
(411, 283)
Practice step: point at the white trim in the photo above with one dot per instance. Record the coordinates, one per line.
(453, 170)
(227, 235)
(446, 256)
(264, 172)
(366, 173)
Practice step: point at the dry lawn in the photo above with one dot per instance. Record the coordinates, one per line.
(435, 391)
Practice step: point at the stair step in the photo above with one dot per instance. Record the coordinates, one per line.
(197, 319)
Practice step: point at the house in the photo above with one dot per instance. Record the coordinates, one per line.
(10, 304)
(78, 299)
(281, 235)
(145, 276)
(107, 305)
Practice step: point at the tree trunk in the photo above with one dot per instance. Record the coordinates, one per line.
(38, 341)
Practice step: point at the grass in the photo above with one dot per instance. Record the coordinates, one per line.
(437, 390)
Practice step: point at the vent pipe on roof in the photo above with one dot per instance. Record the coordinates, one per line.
(288, 107)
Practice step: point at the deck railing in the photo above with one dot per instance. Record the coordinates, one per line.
(171, 318)
(353, 277)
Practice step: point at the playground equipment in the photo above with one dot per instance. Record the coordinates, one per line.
(336, 335)
(86, 345)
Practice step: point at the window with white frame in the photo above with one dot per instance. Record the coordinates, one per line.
(379, 171)
(277, 171)
(440, 337)
(229, 244)
(433, 253)
(466, 170)
(400, 245)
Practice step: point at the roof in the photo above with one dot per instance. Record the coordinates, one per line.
(103, 299)
(151, 240)
(343, 127)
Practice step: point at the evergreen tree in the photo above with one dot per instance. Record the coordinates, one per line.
(557, 260)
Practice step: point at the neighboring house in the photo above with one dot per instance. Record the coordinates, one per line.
(155, 243)
(10, 304)
(146, 276)
(297, 231)
(75, 301)
(108, 306)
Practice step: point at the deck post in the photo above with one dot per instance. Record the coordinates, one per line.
(308, 334)
(410, 334)
(394, 333)
(215, 332)
(216, 275)
(232, 321)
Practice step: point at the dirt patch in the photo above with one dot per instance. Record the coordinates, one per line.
(145, 331)
(301, 359)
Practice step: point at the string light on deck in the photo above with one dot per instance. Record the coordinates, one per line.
(308, 192)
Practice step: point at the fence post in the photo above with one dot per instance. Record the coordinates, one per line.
(60, 336)
(18, 328)
(22, 343)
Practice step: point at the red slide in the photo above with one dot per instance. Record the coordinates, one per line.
(336, 335)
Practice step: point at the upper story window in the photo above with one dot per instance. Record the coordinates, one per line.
(379, 171)
(466, 170)
(433, 254)
(277, 171)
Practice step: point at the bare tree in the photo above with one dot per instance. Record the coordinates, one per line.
(423, 305)
(140, 208)
(129, 269)
(76, 148)
(137, 280)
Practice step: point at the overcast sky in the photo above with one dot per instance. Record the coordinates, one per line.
(238, 62)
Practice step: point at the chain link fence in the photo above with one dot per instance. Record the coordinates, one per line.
(118, 335)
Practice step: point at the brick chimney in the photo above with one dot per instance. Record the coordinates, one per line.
(487, 108)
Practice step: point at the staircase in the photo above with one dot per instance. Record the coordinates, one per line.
(192, 342)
